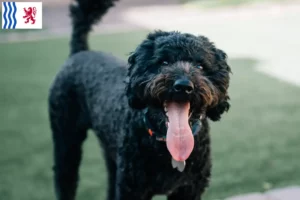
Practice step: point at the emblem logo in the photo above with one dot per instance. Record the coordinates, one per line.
(30, 15)
(22, 15)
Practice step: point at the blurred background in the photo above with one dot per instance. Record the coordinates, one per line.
(256, 146)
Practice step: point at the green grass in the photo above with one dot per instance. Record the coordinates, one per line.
(256, 144)
(224, 3)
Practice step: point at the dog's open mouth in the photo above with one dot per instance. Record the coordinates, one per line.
(180, 139)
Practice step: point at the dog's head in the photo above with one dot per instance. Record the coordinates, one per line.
(180, 78)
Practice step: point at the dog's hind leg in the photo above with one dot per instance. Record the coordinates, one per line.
(68, 132)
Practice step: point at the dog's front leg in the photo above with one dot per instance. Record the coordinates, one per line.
(131, 179)
(188, 192)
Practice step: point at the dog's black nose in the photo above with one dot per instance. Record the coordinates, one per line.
(183, 85)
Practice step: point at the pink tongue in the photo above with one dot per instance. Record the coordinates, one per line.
(180, 140)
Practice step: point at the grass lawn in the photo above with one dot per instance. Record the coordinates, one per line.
(222, 3)
(256, 146)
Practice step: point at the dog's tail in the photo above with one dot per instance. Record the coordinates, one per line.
(85, 13)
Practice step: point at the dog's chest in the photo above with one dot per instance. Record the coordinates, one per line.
(165, 179)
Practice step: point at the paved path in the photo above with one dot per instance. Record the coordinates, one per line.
(269, 33)
(289, 193)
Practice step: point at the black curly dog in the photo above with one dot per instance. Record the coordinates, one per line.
(147, 117)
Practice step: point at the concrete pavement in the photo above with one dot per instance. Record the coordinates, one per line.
(289, 193)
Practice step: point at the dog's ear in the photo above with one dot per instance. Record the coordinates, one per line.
(215, 112)
(134, 101)
(133, 90)
(136, 69)
(221, 81)
(221, 60)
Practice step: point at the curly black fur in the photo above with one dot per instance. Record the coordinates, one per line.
(89, 93)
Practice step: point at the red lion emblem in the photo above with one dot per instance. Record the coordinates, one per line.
(30, 14)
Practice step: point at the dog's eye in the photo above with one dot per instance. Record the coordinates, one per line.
(199, 67)
(164, 63)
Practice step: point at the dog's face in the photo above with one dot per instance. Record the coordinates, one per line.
(179, 77)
